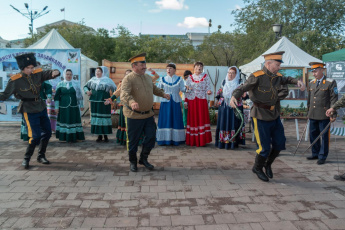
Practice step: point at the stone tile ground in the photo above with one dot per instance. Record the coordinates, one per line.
(88, 186)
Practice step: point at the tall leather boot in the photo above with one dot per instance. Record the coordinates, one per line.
(133, 162)
(257, 168)
(41, 158)
(29, 151)
(273, 155)
(143, 159)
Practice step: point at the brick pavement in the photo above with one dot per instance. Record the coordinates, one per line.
(88, 186)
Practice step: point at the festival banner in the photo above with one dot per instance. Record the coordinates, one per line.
(60, 59)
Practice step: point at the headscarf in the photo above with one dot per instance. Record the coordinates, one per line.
(102, 83)
(230, 85)
(71, 83)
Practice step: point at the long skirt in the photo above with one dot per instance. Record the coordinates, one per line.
(198, 123)
(227, 126)
(100, 118)
(121, 136)
(52, 114)
(170, 129)
(68, 126)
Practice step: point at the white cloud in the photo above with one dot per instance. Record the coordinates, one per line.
(171, 4)
(192, 22)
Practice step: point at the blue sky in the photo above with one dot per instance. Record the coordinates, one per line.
(145, 16)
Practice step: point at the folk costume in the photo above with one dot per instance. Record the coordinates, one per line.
(322, 94)
(198, 131)
(45, 93)
(264, 87)
(170, 130)
(137, 88)
(102, 88)
(51, 105)
(68, 100)
(227, 122)
(27, 89)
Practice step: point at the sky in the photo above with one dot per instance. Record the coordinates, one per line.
(145, 16)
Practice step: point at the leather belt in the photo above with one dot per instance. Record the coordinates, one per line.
(31, 99)
(263, 106)
(145, 112)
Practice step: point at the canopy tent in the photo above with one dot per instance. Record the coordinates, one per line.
(338, 55)
(293, 57)
(53, 40)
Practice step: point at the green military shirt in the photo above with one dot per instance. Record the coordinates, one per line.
(140, 89)
(321, 98)
(265, 89)
(339, 104)
(27, 87)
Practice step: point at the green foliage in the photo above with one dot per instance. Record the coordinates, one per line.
(313, 25)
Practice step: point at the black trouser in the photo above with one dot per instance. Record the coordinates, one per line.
(135, 128)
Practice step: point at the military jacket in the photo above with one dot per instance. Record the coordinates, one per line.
(27, 87)
(321, 98)
(339, 104)
(140, 89)
(265, 88)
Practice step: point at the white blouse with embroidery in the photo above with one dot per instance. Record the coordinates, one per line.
(198, 86)
(172, 85)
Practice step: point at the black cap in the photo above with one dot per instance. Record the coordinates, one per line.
(25, 60)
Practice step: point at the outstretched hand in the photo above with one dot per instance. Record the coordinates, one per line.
(55, 73)
(301, 85)
(233, 102)
(167, 96)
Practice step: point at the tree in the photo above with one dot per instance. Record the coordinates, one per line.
(313, 25)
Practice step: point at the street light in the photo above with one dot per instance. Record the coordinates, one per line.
(277, 28)
(209, 25)
(32, 16)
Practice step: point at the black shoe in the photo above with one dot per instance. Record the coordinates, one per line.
(257, 168)
(321, 162)
(133, 167)
(312, 158)
(25, 163)
(340, 177)
(147, 165)
(106, 138)
(99, 139)
(271, 157)
(43, 160)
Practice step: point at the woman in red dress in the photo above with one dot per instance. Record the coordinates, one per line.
(198, 119)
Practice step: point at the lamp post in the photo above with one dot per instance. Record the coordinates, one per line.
(277, 28)
(209, 25)
(32, 15)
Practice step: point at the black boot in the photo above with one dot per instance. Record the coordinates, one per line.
(143, 159)
(41, 158)
(29, 151)
(270, 159)
(99, 139)
(133, 162)
(106, 138)
(257, 168)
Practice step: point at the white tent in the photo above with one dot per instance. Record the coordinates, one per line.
(293, 57)
(53, 40)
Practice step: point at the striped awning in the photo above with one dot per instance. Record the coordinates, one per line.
(340, 131)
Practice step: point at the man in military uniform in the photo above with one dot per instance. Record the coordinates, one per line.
(322, 94)
(26, 87)
(264, 88)
(339, 104)
(137, 91)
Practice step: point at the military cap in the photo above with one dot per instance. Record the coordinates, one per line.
(138, 58)
(277, 56)
(25, 60)
(316, 65)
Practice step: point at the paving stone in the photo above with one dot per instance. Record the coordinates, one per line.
(159, 221)
(121, 222)
(187, 220)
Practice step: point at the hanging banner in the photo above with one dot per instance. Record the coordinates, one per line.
(47, 59)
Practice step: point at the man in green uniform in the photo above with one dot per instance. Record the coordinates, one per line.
(137, 91)
(339, 104)
(26, 86)
(264, 88)
(322, 94)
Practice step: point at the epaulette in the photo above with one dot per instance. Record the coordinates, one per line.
(330, 80)
(279, 74)
(37, 70)
(258, 73)
(16, 76)
(313, 81)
